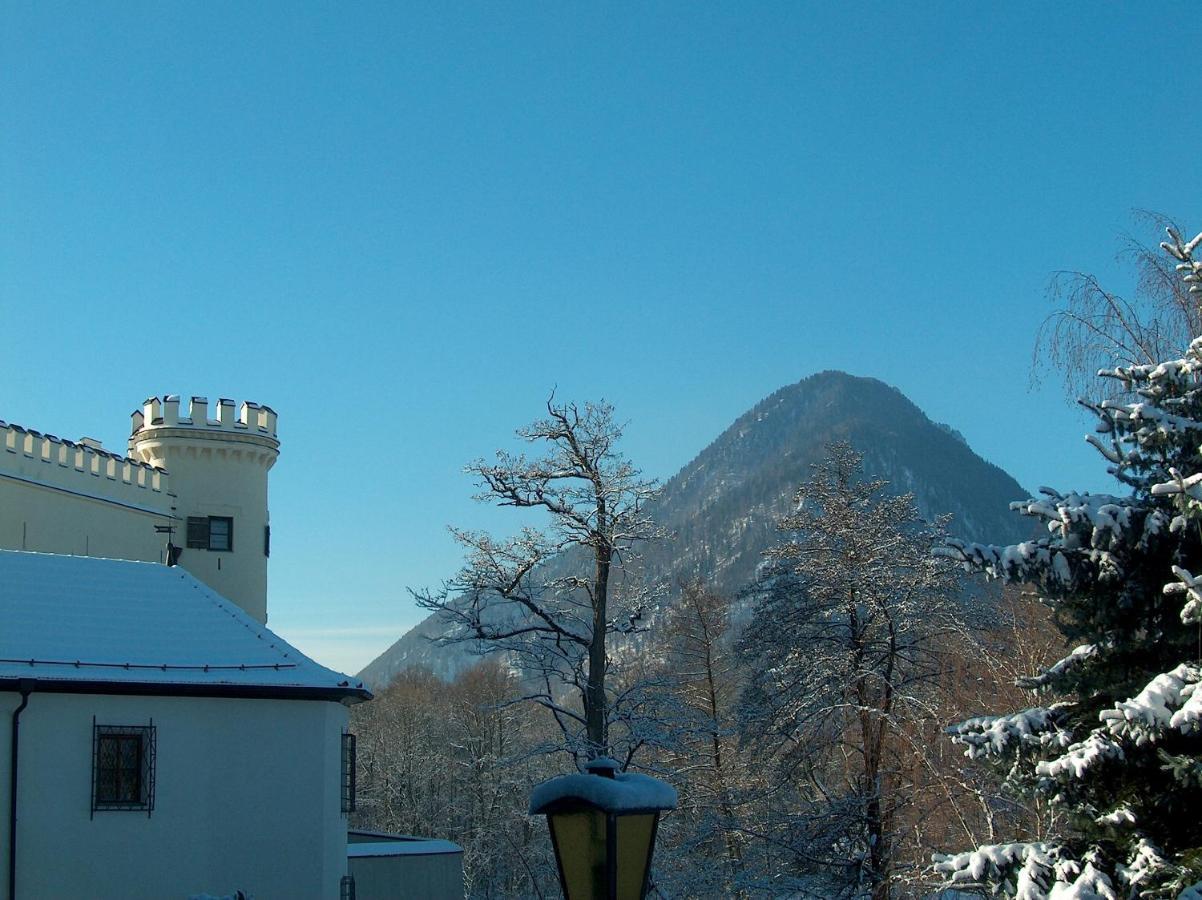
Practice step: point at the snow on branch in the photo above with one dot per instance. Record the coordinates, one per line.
(1191, 613)
(1170, 700)
(1181, 370)
(1059, 669)
(995, 735)
(1028, 561)
(1081, 757)
(1030, 871)
(1183, 252)
(1190, 486)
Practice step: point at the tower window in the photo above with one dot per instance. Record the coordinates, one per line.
(211, 533)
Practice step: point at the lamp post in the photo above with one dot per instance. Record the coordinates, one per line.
(603, 828)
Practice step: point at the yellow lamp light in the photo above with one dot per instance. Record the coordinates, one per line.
(603, 827)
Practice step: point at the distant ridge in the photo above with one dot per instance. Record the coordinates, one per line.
(723, 505)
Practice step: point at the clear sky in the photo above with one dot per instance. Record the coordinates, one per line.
(401, 226)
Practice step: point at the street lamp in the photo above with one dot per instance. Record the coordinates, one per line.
(603, 829)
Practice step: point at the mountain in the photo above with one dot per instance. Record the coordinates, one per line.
(723, 505)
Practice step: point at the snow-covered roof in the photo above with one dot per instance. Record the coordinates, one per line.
(116, 625)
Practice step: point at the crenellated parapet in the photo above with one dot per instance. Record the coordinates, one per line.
(164, 412)
(82, 466)
(161, 429)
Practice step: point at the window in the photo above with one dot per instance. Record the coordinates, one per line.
(221, 533)
(123, 758)
(211, 533)
(346, 888)
(348, 773)
(267, 540)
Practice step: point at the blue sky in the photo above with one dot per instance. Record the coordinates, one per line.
(401, 226)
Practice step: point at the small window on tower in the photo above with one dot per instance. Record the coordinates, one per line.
(211, 533)
(221, 533)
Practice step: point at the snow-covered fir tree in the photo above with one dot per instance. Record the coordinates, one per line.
(1114, 744)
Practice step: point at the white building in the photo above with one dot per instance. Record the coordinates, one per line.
(165, 744)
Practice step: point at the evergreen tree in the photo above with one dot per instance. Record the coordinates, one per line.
(1115, 748)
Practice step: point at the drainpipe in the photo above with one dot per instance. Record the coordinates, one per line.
(25, 686)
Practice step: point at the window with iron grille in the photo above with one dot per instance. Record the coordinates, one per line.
(346, 888)
(211, 533)
(123, 764)
(348, 773)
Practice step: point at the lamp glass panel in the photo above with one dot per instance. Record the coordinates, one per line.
(580, 839)
(634, 853)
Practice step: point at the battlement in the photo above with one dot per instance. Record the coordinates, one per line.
(82, 466)
(164, 412)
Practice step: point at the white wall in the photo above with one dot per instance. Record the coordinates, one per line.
(248, 797)
(60, 499)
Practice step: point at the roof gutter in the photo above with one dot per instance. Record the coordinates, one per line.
(347, 693)
(25, 686)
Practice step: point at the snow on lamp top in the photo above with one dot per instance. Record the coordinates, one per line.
(607, 788)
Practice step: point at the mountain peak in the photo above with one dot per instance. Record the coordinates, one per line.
(723, 506)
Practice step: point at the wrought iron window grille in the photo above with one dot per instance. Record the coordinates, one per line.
(349, 775)
(123, 767)
(346, 888)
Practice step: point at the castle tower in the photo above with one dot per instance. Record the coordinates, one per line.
(218, 473)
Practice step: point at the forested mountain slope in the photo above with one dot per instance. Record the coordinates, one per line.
(722, 507)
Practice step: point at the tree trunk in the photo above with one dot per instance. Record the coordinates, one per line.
(595, 713)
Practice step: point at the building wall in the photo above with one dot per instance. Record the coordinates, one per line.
(436, 876)
(248, 797)
(397, 866)
(60, 497)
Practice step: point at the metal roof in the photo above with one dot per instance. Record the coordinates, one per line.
(117, 626)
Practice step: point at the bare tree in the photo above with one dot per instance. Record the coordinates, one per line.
(708, 683)
(402, 740)
(1095, 328)
(456, 761)
(704, 840)
(550, 597)
(845, 648)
